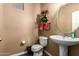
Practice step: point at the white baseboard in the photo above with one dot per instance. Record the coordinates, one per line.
(47, 53)
(18, 54)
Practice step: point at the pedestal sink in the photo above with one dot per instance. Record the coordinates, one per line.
(64, 42)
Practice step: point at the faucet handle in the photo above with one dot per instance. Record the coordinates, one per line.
(67, 34)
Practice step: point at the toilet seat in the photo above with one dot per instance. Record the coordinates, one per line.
(36, 47)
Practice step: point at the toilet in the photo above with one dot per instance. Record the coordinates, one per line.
(37, 49)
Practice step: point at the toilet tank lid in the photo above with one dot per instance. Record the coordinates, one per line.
(43, 37)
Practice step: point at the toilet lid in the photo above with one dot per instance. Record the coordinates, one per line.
(36, 47)
(43, 37)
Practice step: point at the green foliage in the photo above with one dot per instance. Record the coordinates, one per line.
(38, 19)
(44, 19)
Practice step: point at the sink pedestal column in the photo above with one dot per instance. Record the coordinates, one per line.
(63, 50)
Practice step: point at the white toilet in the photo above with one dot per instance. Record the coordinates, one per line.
(37, 49)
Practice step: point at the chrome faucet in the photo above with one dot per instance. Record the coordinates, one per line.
(67, 34)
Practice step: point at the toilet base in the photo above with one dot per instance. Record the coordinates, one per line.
(40, 53)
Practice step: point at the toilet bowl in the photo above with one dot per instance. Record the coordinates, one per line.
(37, 49)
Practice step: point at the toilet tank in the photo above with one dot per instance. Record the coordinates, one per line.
(43, 40)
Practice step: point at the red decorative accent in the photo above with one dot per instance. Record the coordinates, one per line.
(41, 26)
(44, 12)
(46, 26)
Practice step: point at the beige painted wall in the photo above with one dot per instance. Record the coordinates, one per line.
(2, 43)
(17, 25)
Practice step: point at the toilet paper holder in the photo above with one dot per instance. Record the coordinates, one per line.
(23, 42)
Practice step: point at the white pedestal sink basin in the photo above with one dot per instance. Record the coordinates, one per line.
(64, 42)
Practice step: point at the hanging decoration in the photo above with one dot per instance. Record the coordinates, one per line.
(42, 21)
